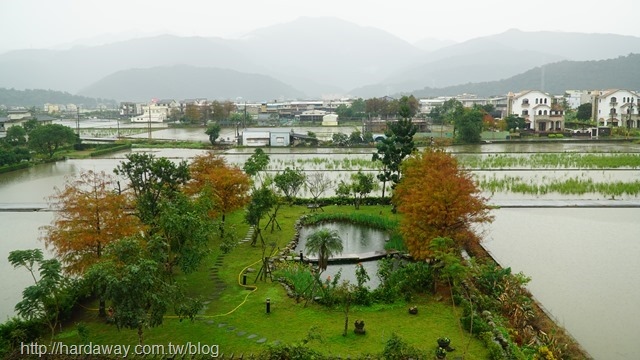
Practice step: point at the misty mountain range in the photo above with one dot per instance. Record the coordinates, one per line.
(321, 57)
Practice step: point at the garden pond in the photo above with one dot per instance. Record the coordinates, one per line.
(357, 241)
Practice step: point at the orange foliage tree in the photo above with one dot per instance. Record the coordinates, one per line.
(90, 215)
(438, 199)
(226, 185)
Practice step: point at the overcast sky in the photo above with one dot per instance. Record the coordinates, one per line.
(49, 23)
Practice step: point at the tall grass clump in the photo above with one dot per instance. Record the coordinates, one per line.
(373, 221)
(298, 277)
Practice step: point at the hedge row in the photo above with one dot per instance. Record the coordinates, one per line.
(13, 167)
(337, 200)
(110, 150)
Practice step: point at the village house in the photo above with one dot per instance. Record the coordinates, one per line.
(540, 110)
(152, 113)
(616, 107)
(19, 117)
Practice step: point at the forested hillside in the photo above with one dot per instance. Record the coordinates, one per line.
(37, 97)
(620, 73)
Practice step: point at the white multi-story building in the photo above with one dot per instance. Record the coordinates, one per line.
(153, 112)
(575, 98)
(539, 110)
(616, 107)
(426, 105)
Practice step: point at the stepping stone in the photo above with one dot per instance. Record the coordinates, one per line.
(242, 333)
(222, 325)
(277, 342)
(210, 322)
(252, 336)
(262, 341)
(231, 328)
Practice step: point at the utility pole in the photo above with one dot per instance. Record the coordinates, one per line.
(149, 121)
(78, 121)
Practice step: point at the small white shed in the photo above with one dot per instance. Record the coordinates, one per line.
(255, 137)
(330, 120)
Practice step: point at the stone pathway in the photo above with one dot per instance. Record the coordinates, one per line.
(249, 235)
(218, 287)
(218, 284)
(232, 329)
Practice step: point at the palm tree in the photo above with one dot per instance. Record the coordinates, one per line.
(325, 243)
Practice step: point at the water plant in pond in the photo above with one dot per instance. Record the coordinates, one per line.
(395, 243)
(377, 222)
(327, 163)
(551, 161)
(298, 277)
(571, 186)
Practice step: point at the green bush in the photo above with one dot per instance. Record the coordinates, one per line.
(400, 279)
(495, 350)
(81, 146)
(16, 330)
(396, 349)
(479, 324)
(337, 200)
(14, 167)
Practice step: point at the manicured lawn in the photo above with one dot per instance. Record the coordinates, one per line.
(244, 310)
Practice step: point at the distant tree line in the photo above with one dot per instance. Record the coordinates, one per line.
(384, 108)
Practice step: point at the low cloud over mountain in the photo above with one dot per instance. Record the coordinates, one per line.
(308, 57)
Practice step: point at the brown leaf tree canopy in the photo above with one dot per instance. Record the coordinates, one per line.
(91, 214)
(227, 186)
(438, 199)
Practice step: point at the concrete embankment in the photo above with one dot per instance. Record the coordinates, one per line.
(553, 203)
